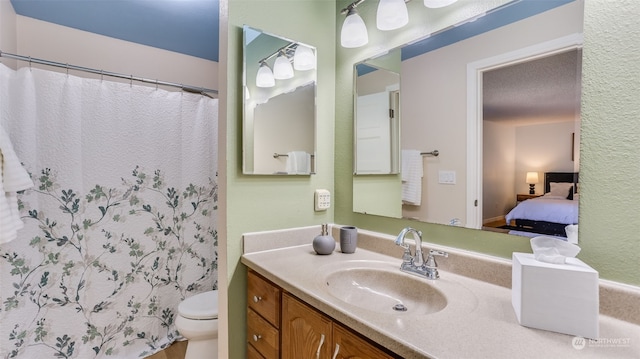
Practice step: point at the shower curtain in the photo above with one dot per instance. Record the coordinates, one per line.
(121, 223)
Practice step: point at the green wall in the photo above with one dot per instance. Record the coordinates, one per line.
(610, 156)
(610, 160)
(258, 203)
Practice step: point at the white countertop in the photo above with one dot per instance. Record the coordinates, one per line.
(478, 321)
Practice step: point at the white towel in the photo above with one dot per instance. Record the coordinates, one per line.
(298, 162)
(13, 178)
(411, 177)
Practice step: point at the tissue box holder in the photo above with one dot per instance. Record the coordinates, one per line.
(561, 298)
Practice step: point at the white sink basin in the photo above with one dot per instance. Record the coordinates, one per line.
(380, 287)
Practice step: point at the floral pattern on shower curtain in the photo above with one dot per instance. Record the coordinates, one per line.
(121, 224)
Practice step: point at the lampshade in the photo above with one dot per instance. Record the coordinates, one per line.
(532, 177)
(391, 15)
(265, 78)
(304, 58)
(354, 31)
(438, 3)
(282, 68)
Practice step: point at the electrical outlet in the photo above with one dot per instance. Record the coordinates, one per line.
(322, 200)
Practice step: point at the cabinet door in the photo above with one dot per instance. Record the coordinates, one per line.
(305, 332)
(348, 345)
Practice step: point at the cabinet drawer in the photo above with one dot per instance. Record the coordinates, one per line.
(253, 353)
(262, 336)
(264, 298)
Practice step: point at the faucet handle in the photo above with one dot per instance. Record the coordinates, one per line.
(431, 261)
(438, 253)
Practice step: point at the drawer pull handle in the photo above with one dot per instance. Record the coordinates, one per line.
(256, 299)
(335, 353)
(320, 346)
(256, 337)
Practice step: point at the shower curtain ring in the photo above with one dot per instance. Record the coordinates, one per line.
(67, 69)
(156, 84)
(101, 75)
(131, 80)
(30, 68)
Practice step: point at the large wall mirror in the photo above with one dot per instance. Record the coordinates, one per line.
(486, 110)
(279, 113)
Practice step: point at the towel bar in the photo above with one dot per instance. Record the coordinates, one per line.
(433, 153)
(276, 155)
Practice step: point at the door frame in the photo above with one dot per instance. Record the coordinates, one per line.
(474, 111)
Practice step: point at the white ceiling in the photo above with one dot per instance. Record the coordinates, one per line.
(534, 91)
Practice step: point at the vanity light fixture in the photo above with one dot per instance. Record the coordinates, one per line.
(532, 179)
(434, 4)
(354, 31)
(282, 68)
(304, 58)
(391, 14)
(265, 78)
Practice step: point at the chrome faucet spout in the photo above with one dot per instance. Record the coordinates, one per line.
(416, 263)
(418, 258)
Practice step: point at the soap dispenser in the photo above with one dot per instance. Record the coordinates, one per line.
(324, 243)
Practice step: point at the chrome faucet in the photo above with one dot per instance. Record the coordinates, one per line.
(416, 264)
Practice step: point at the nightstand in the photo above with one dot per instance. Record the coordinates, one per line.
(521, 197)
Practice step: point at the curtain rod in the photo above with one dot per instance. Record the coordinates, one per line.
(193, 89)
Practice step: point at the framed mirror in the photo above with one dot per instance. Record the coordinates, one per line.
(514, 119)
(279, 113)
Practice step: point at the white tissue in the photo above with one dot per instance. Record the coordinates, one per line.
(552, 250)
(572, 233)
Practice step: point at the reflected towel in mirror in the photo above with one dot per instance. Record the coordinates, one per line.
(411, 177)
(298, 162)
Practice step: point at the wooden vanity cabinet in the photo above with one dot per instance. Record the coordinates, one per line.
(263, 317)
(280, 325)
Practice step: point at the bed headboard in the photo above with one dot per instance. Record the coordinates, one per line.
(569, 177)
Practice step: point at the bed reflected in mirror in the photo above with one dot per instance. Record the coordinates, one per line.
(547, 213)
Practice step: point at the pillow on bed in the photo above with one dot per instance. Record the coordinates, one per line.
(560, 189)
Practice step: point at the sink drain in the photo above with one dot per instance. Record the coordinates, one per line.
(400, 308)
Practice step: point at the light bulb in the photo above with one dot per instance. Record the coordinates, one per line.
(391, 15)
(265, 78)
(354, 31)
(438, 3)
(282, 68)
(304, 58)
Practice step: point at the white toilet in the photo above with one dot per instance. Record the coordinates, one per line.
(197, 321)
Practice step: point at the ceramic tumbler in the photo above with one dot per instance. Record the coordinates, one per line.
(348, 239)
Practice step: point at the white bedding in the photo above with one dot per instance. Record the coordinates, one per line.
(546, 208)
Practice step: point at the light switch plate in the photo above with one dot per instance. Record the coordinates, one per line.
(322, 200)
(447, 177)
